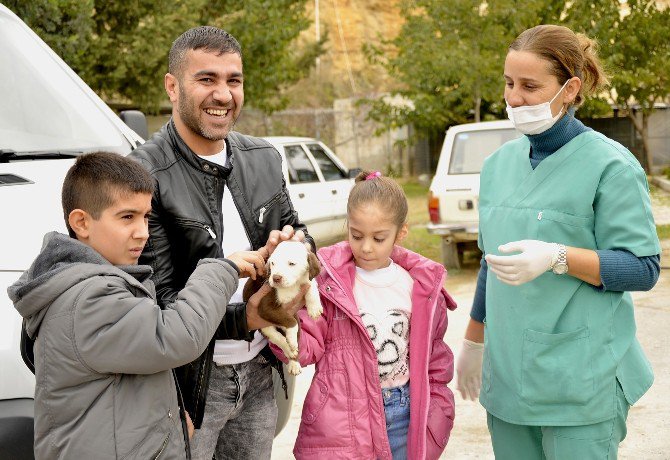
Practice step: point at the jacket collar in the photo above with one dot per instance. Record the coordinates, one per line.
(196, 161)
(338, 261)
(341, 260)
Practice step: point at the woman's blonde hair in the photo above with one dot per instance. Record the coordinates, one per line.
(372, 187)
(569, 54)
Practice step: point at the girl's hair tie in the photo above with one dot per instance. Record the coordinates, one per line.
(373, 175)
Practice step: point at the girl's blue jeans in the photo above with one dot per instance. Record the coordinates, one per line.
(396, 407)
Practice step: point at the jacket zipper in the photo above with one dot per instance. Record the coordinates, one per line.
(244, 222)
(261, 212)
(380, 402)
(195, 223)
(162, 449)
(433, 303)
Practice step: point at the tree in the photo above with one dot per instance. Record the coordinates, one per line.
(120, 48)
(449, 56)
(269, 34)
(636, 49)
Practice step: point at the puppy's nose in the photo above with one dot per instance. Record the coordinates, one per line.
(276, 278)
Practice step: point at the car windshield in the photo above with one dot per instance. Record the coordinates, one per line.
(471, 148)
(43, 109)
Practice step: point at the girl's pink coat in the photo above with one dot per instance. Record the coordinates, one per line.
(343, 412)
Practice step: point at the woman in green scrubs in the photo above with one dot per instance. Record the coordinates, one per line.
(566, 229)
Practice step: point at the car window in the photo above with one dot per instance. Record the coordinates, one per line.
(471, 148)
(300, 169)
(329, 169)
(42, 107)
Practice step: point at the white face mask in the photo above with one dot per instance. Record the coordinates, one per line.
(534, 119)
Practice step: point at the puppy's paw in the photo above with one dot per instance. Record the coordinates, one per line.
(294, 367)
(314, 310)
(292, 352)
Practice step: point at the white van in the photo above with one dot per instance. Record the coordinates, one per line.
(47, 116)
(453, 197)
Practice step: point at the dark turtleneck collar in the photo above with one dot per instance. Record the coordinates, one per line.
(544, 144)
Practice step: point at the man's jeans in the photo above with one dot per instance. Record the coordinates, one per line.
(396, 407)
(240, 413)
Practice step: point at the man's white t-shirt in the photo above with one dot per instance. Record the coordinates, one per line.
(235, 239)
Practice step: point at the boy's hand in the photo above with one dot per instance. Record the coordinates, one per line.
(277, 236)
(189, 426)
(254, 321)
(250, 263)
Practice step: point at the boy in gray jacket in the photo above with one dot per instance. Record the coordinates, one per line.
(103, 348)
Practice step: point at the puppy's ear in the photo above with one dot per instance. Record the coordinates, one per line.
(314, 266)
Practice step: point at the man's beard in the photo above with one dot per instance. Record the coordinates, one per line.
(189, 116)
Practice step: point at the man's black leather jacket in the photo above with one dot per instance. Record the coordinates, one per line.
(186, 225)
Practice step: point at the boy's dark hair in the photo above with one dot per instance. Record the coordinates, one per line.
(372, 187)
(95, 180)
(207, 38)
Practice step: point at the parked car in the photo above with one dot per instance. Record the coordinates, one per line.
(318, 183)
(453, 197)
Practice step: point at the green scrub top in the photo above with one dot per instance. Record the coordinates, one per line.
(555, 346)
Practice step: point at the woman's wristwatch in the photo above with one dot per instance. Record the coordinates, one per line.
(559, 263)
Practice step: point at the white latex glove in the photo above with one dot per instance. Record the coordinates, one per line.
(535, 258)
(469, 369)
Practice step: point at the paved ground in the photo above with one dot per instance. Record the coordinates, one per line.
(649, 420)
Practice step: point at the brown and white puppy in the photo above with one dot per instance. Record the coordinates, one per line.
(289, 267)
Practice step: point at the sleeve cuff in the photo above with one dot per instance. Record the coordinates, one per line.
(232, 264)
(234, 326)
(478, 312)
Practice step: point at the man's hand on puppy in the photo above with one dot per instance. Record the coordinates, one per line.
(277, 236)
(250, 263)
(254, 321)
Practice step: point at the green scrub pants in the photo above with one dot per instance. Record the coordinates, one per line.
(599, 441)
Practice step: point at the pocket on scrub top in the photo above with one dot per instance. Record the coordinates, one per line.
(569, 229)
(556, 368)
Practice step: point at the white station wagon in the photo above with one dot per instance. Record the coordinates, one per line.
(453, 197)
(318, 183)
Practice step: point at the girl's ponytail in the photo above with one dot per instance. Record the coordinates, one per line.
(594, 77)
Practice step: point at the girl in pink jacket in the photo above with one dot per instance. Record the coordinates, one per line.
(382, 367)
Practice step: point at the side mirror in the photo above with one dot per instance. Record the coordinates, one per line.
(353, 172)
(136, 121)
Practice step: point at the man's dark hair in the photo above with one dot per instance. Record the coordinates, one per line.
(207, 38)
(96, 180)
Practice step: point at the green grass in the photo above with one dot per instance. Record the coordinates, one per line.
(418, 239)
(417, 200)
(415, 190)
(663, 231)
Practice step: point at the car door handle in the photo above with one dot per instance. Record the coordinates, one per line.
(334, 192)
(301, 195)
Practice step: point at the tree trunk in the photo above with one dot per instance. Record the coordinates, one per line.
(649, 156)
(642, 130)
(478, 107)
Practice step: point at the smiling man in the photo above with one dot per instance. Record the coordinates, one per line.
(217, 192)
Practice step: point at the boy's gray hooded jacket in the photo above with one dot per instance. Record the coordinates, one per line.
(104, 350)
